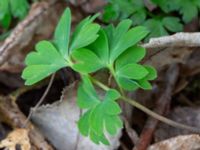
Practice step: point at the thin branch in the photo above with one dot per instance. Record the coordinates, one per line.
(40, 101)
(161, 105)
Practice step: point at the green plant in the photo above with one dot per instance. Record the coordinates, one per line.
(9, 8)
(160, 23)
(89, 49)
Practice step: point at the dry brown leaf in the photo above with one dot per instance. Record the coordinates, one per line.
(184, 142)
(186, 115)
(18, 137)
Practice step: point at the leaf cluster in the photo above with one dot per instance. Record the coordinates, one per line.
(12, 8)
(91, 48)
(161, 21)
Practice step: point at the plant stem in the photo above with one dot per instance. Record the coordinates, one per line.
(101, 85)
(159, 117)
(112, 71)
(148, 111)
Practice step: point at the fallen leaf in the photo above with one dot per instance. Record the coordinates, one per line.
(58, 123)
(18, 137)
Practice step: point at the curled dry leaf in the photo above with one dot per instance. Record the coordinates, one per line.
(184, 142)
(18, 137)
(58, 123)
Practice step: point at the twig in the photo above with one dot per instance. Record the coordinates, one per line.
(12, 116)
(40, 101)
(176, 40)
(130, 131)
(162, 103)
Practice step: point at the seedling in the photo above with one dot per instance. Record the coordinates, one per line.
(160, 23)
(12, 8)
(89, 49)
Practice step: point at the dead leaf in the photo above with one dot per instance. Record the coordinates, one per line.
(186, 115)
(184, 142)
(58, 122)
(15, 138)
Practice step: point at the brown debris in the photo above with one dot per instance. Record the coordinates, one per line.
(11, 115)
(18, 137)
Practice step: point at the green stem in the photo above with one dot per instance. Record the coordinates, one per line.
(112, 71)
(148, 111)
(101, 85)
(159, 117)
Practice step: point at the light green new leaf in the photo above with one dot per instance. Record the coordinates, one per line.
(132, 37)
(144, 84)
(131, 55)
(19, 8)
(85, 61)
(62, 33)
(119, 32)
(101, 47)
(38, 66)
(127, 84)
(94, 122)
(152, 73)
(84, 34)
(87, 96)
(132, 71)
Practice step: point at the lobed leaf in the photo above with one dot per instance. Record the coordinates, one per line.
(132, 71)
(19, 8)
(84, 34)
(96, 119)
(38, 66)
(85, 61)
(131, 55)
(62, 33)
(129, 39)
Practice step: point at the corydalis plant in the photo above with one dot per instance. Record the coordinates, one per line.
(12, 8)
(89, 49)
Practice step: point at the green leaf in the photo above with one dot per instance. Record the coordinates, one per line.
(100, 47)
(132, 37)
(5, 22)
(172, 24)
(119, 32)
(3, 8)
(62, 33)
(87, 97)
(95, 121)
(189, 10)
(168, 6)
(152, 73)
(156, 27)
(19, 8)
(144, 84)
(132, 71)
(139, 17)
(86, 61)
(85, 33)
(38, 66)
(127, 84)
(132, 55)
(110, 13)
(83, 123)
